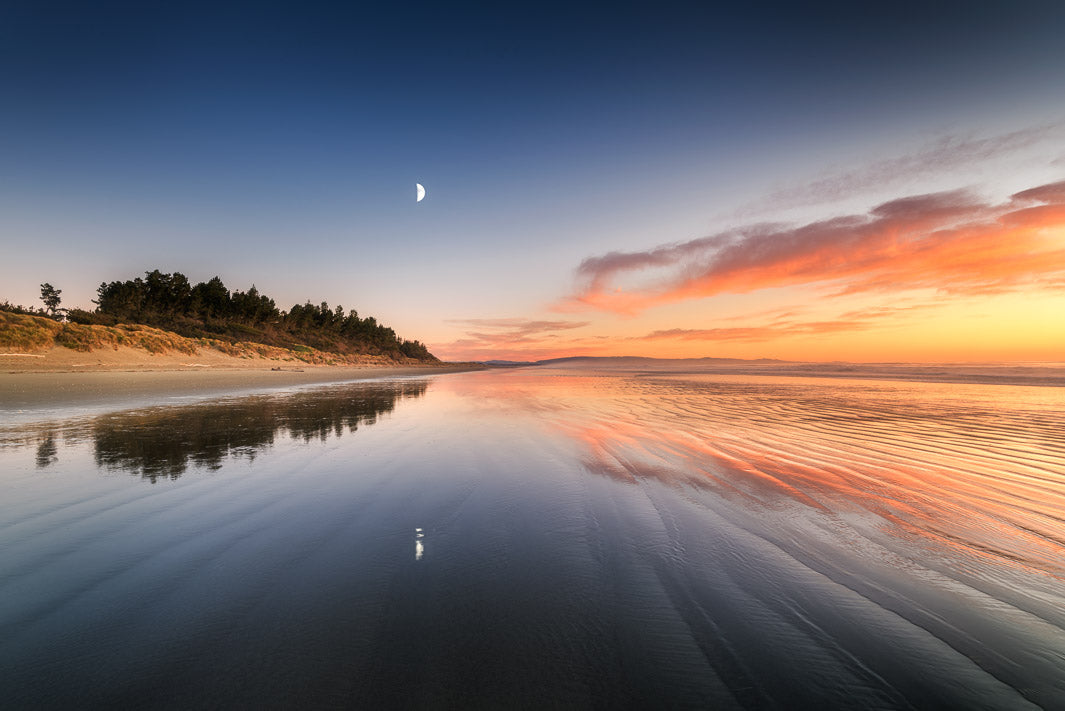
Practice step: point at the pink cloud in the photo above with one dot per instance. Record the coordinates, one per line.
(950, 241)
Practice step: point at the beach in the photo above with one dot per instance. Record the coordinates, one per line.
(63, 377)
(536, 538)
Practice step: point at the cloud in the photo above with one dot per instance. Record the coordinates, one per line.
(752, 333)
(1052, 193)
(944, 154)
(518, 326)
(784, 325)
(515, 338)
(950, 241)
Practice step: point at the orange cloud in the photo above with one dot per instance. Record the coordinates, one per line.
(517, 327)
(949, 241)
(784, 326)
(754, 333)
(517, 339)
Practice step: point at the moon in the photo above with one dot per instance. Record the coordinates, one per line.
(421, 192)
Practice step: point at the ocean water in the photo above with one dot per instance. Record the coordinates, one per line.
(541, 537)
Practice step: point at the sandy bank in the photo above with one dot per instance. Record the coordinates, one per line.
(60, 359)
(28, 390)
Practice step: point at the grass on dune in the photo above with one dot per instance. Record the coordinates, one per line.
(23, 333)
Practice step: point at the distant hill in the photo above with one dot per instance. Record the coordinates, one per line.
(1028, 374)
(645, 361)
(631, 362)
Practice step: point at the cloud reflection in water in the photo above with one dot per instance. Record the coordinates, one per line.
(635, 539)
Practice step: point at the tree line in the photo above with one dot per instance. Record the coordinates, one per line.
(210, 309)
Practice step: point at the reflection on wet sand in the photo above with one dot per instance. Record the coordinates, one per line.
(165, 441)
(972, 473)
(943, 505)
(581, 539)
(46, 450)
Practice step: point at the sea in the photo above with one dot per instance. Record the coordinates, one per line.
(584, 534)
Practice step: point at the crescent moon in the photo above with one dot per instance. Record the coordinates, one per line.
(421, 192)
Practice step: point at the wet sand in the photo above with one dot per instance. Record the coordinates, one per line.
(36, 390)
(541, 538)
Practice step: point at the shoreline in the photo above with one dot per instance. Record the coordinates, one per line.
(35, 390)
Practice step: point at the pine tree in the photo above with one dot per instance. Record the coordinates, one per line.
(50, 297)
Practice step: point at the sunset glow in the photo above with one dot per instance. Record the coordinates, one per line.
(730, 185)
(943, 276)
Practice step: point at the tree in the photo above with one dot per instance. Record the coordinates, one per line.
(50, 297)
(209, 309)
(212, 299)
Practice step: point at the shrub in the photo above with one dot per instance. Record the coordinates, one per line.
(22, 332)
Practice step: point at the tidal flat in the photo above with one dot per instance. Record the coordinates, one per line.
(541, 537)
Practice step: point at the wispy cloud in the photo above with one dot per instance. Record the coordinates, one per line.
(517, 326)
(518, 338)
(951, 241)
(944, 154)
(752, 333)
(785, 325)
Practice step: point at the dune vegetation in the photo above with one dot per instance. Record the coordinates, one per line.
(164, 313)
(28, 333)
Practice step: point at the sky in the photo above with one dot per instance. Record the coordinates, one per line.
(816, 181)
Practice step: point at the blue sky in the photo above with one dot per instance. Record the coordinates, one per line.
(279, 143)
